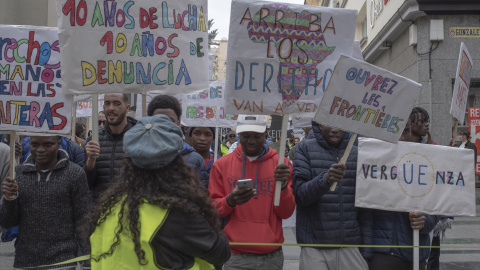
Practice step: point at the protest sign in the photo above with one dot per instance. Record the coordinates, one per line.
(409, 177)
(133, 46)
(367, 100)
(462, 84)
(281, 56)
(301, 122)
(474, 127)
(31, 97)
(203, 109)
(84, 108)
(207, 109)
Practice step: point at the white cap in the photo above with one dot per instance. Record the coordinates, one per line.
(252, 123)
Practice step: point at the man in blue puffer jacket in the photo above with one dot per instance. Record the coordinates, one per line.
(324, 216)
(396, 228)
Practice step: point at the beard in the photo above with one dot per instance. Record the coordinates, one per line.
(118, 121)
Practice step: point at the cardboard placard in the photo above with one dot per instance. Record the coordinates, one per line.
(281, 56)
(409, 177)
(133, 46)
(367, 100)
(31, 97)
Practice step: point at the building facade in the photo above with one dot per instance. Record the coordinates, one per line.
(420, 40)
(28, 12)
(220, 63)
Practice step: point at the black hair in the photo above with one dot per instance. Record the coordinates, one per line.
(165, 102)
(466, 133)
(173, 186)
(416, 113)
(79, 128)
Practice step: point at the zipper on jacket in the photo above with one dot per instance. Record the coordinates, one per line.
(112, 161)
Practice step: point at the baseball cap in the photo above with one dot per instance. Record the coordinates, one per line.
(252, 123)
(153, 142)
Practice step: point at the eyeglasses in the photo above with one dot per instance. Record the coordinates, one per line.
(101, 122)
(231, 136)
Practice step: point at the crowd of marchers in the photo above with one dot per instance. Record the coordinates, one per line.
(141, 197)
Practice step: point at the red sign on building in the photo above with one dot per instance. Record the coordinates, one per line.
(474, 127)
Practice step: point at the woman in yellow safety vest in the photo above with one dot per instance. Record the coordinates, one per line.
(157, 216)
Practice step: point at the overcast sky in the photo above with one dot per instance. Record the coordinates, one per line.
(219, 11)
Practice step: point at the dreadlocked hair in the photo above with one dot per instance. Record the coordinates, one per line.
(173, 186)
(416, 113)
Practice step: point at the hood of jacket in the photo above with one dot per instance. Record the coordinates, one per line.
(267, 154)
(186, 148)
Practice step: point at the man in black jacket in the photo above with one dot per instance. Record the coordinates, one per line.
(103, 159)
(466, 143)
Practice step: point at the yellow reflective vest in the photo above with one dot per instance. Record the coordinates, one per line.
(151, 218)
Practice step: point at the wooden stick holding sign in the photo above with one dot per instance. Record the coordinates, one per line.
(344, 158)
(281, 159)
(416, 250)
(95, 118)
(215, 153)
(452, 142)
(144, 105)
(74, 122)
(12, 154)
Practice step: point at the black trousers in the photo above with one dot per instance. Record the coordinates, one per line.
(382, 261)
(434, 258)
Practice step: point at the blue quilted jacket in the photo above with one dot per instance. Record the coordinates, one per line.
(323, 216)
(393, 229)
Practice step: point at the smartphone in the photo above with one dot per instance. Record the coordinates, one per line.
(244, 183)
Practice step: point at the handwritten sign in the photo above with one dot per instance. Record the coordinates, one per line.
(31, 98)
(207, 109)
(367, 100)
(84, 108)
(410, 177)
(462, 84)
(281, 56)
(133, 46)
(474, 126)
(203, 109)
(301, 122)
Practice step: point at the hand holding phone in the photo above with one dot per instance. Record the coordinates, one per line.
(244, 183)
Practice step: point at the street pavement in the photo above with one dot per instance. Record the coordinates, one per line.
(457, 254)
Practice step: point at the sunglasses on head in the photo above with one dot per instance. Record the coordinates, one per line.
(101, 122)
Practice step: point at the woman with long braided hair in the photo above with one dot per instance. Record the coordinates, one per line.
(157, 216)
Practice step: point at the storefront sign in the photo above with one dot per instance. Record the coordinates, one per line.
(465, 32)
(474, 127)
